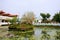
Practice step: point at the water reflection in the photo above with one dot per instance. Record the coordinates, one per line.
(43, 33)
(47, 33)
(27, 35)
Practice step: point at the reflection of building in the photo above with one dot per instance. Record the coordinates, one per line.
(4, 17)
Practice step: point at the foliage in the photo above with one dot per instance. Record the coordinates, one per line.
(48, 15)
(36, 21)
(56, 17)
(13, 23)
(14, 20)
(28, 18)
(16, 26)
(45, 35)
(45, 17)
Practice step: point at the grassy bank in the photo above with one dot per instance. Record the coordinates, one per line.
(21, 27)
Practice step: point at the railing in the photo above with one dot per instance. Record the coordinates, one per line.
(54, 24)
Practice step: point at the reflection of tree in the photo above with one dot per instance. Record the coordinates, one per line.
(45, 36)
(32, 38)
(22, 34)
(57, 36)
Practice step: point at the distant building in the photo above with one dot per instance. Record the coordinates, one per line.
(37, 20)
(5, 16)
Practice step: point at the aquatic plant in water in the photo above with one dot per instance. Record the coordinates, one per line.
(45, 36)
(57, 36)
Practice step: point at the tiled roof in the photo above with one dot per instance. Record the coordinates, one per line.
(7, 14)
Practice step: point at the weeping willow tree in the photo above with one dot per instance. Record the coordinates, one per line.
(28, 18)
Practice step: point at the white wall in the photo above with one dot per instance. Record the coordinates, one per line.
(5, 17)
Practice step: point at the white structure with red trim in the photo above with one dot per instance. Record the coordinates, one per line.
(4, 16)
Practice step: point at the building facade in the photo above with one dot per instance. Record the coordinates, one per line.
(4, 17)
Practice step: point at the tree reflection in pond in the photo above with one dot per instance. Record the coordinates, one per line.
(45, 36)
(57, 36)
(42, 33)
(23, 35)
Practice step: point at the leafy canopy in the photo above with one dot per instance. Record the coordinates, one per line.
(56, 17)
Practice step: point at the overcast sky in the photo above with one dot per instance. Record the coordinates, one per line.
(37, 6)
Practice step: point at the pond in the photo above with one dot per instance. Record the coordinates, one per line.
(38, 33)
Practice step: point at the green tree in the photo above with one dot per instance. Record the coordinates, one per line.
(48, 15)
(45, 17)
(56, 17)
(13, 23)
(14, 20)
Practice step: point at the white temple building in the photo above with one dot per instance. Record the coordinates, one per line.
(4, 17)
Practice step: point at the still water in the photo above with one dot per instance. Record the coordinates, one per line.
(38, 33)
